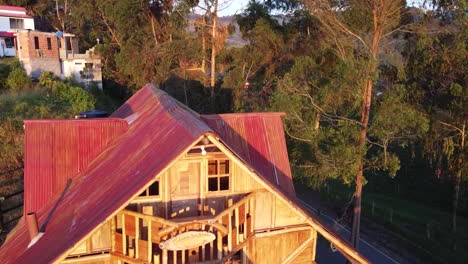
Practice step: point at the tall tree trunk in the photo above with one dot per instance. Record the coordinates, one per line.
(213, 49)
(365, 114)
(203, 36)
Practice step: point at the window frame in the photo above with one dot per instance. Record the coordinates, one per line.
(49, 43)
(147, 197)
(218, 175)
(36, 43)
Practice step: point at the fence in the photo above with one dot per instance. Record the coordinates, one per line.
(6, 211)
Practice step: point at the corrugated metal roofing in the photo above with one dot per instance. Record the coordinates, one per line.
(258, 139)
(112, 178)
(160, 129)
(12, 8)
(57, 150)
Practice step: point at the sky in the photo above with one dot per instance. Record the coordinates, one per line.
(234, 6)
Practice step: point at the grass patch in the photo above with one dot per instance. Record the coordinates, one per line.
(421, 228)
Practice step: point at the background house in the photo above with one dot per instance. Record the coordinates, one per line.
(12, 18)
(44, 51)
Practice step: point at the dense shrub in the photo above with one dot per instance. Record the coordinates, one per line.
(18, 80)
(47, 79)
(71, 99)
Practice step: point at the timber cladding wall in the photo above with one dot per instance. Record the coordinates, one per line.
(277, 247)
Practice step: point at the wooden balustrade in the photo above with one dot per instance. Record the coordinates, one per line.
(137, 237)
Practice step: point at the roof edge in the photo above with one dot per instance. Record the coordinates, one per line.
(73, 120)
(233, 115)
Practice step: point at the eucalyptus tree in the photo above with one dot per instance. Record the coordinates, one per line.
(359, 28)
(438, 78)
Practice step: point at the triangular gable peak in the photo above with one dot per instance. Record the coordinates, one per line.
(110, 195)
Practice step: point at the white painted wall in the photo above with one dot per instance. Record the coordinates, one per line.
(4, 51)
(29, 23)
(4, 23)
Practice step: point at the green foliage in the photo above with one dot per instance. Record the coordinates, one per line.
(18, 80)
(46, 79)
(71, 99)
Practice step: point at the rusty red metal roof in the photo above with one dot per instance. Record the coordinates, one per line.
(57, 150)
(159, 130)
(155, 121)
(258, 139)
(12, 8)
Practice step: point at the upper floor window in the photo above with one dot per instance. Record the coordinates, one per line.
(36, 42)
(49, 43)
(219, 172)
(16, 23)
(152, 190)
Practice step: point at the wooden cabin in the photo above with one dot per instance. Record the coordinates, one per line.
(159, 183)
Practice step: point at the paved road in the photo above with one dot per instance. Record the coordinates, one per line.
(326, 254)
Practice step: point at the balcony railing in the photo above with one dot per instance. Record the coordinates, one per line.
(137, 238)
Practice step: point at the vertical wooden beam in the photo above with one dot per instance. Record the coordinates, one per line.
(124, 236)
(252, 212)
(211, 245)
(150, 244)
(314, 243)
(157, 259)
(236, 224)
(166, 194)
(183, 256)
(89, 245)
(273, 210)
(244, 255)
(137, 237)
(174, 256)
(164, 256)
(219, 243)
(230, 232)
(113, 231)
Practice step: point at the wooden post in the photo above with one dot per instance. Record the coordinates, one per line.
(137, 237)
(236, 224)
(230, 232)
(219, 242)
(164, 256)
(150, 244)
(124, 238)
(113, 231)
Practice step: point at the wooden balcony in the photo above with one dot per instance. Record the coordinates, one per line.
(138, 238)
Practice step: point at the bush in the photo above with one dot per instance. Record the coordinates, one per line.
(18, 80)
(72, 99)
(47, 79)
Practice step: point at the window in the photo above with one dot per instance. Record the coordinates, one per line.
(218, 175)
(36, 42)
(9, 42)
(49, 43)
(153, 190)
(16, 23)
(68, 45)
